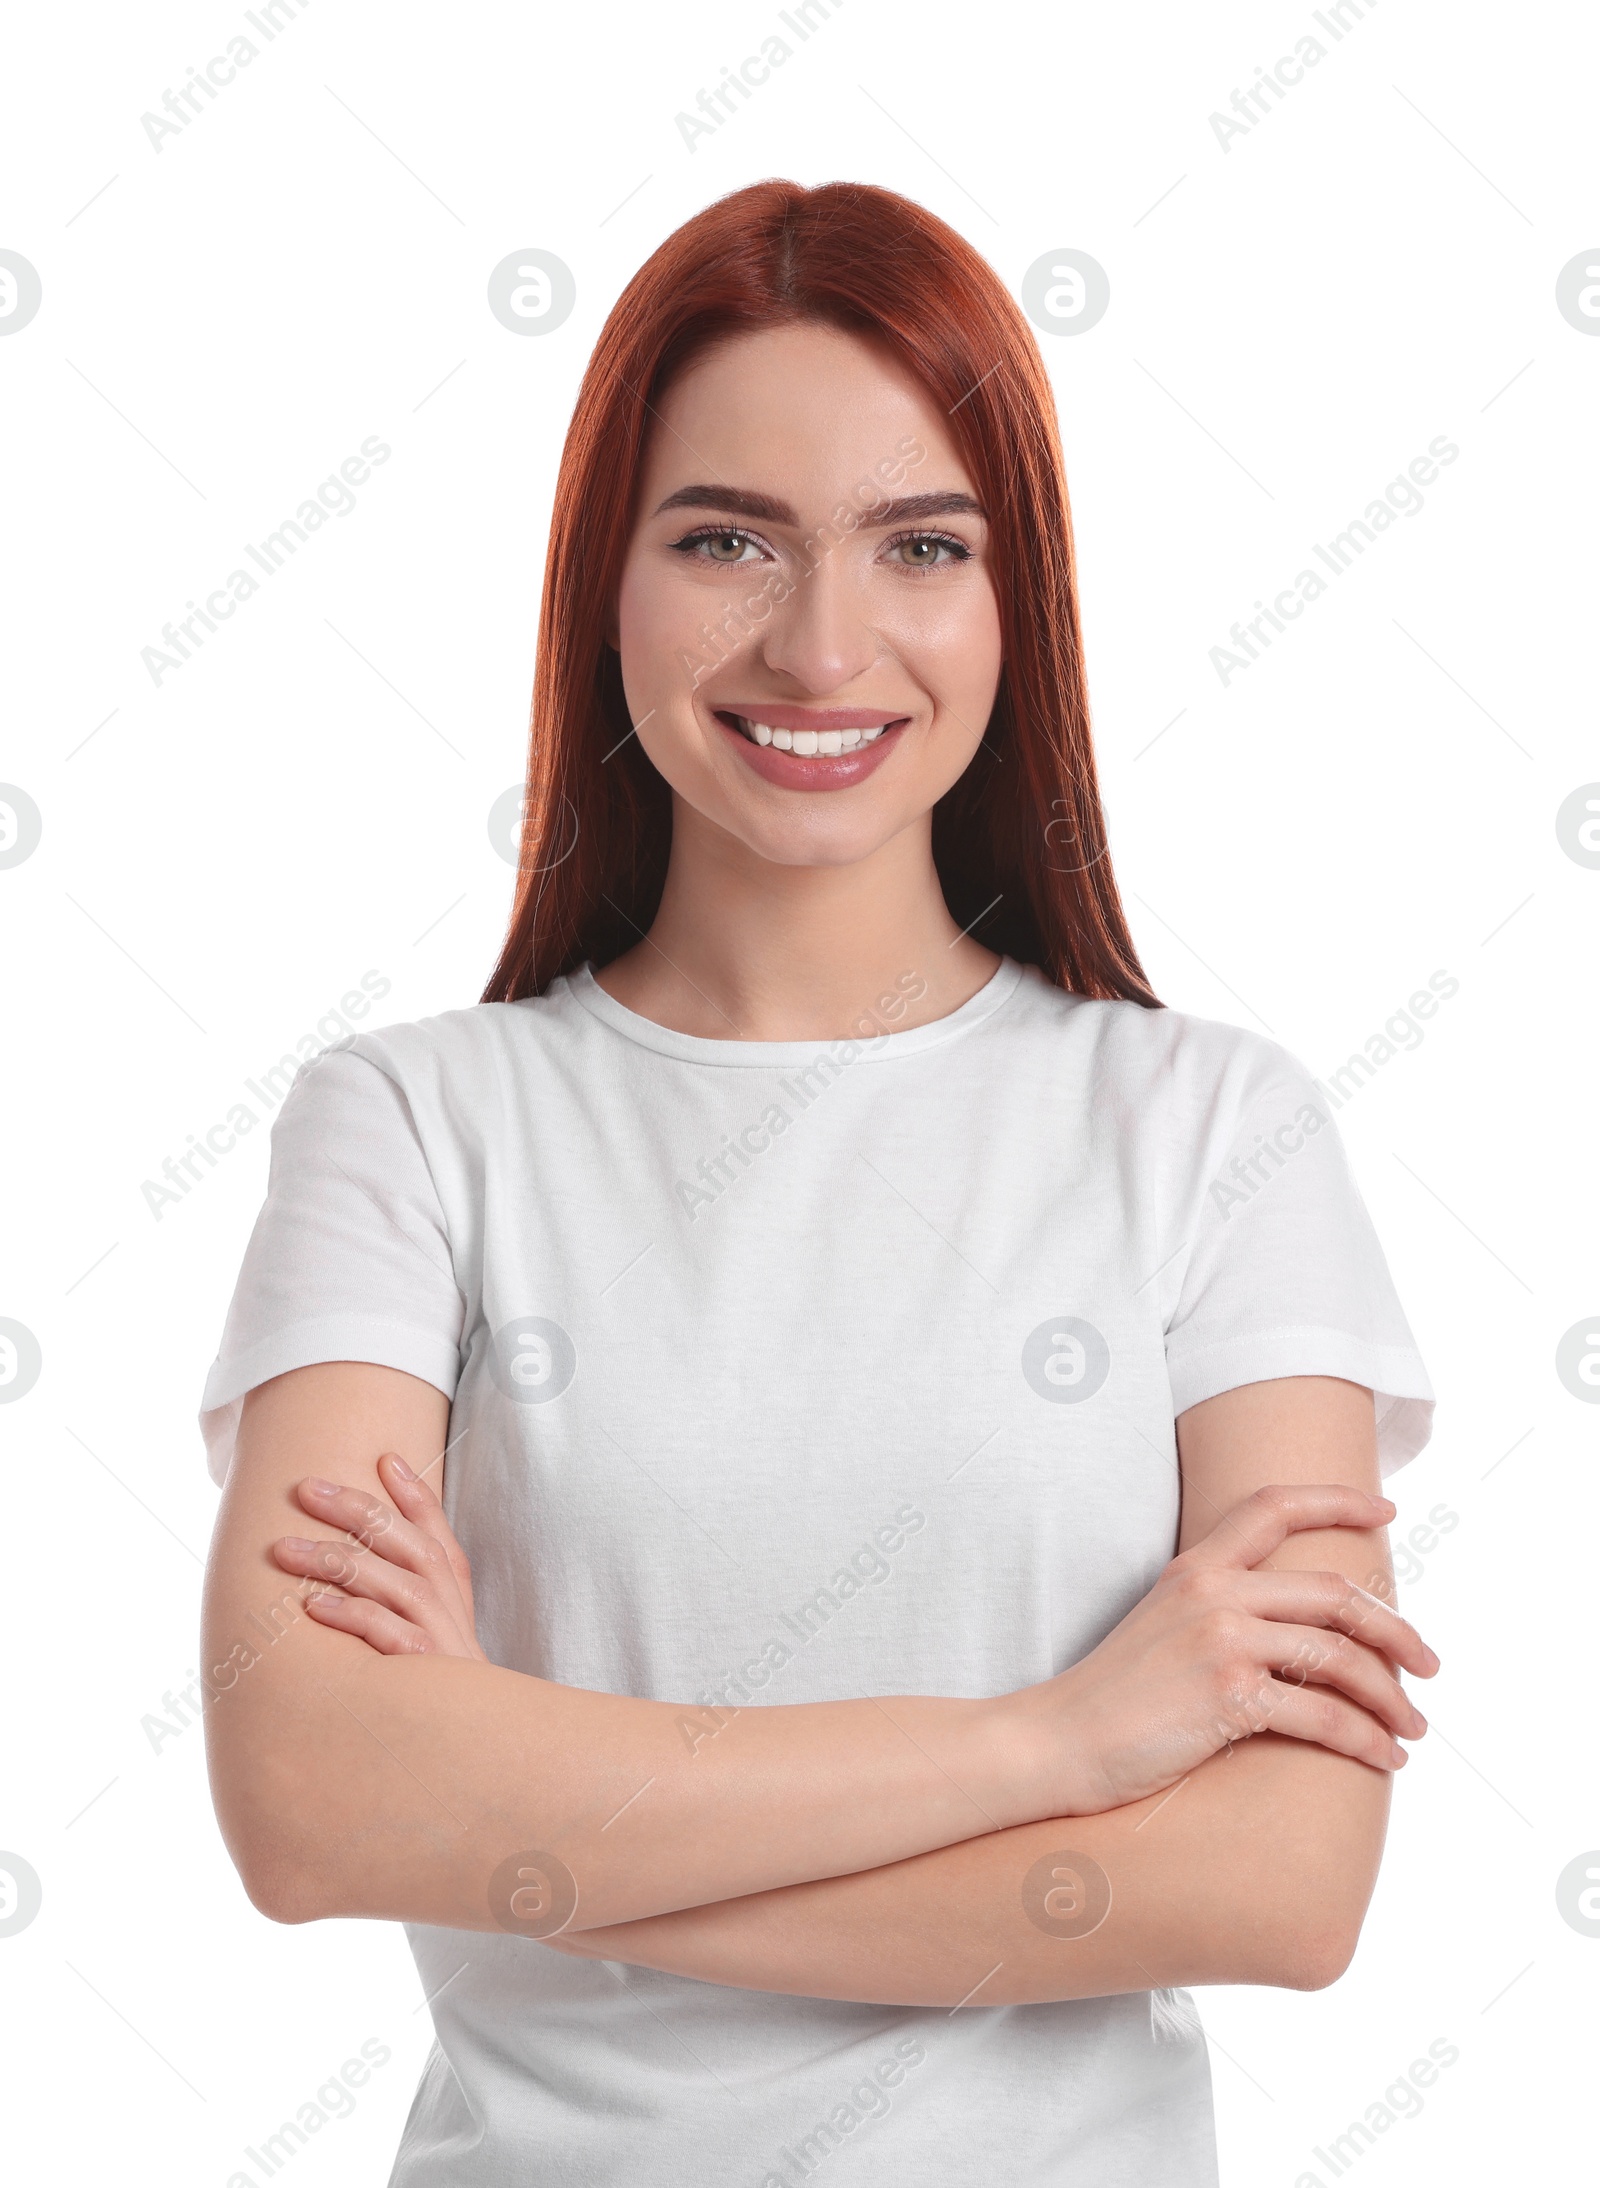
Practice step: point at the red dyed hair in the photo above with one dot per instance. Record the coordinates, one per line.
(1020, 839)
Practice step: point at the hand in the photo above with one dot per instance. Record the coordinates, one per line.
(1219, 1650)
(398, 1580)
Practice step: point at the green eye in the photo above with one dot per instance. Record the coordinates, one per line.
(928, 550)
(723, 543)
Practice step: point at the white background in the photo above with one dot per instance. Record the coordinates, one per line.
(1292, 320)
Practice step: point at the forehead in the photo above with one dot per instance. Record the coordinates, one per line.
(801, 411)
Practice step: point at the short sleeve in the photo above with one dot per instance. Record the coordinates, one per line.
(1284, 1274)
(349, 1259)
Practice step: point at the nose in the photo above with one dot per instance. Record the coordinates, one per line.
(819, 636)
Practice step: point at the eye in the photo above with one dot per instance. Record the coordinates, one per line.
(718, 543)
(927, 550)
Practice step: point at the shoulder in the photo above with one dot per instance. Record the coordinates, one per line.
(415, 1105)
(1167, 1063)
(466, 1050)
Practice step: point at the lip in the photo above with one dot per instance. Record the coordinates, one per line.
(832, 771)
(778, 716)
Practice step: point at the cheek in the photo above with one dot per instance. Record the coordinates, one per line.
(651, 615)
(662, 644)
(951, 642)
(664, 653)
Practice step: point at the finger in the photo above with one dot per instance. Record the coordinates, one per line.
(1329, 1599)
(360, 1573)
(370, 1622)
(1324, 1720)
(373, 1524)
(333, 1562)
(418, 1502)
(1303, 1655)
(1264, 1522)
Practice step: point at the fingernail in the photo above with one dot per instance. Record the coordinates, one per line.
(320, 1488)
(299, 1544)
(401, 1467)
(1400, 1757)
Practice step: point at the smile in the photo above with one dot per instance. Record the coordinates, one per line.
(827, 743)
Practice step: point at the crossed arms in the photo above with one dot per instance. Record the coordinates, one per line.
(367, 1760)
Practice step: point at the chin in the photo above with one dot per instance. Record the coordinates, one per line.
(821, 845)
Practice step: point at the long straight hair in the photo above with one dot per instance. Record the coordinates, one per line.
(1020, 840)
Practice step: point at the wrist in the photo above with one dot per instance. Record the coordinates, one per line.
(1044, 1767)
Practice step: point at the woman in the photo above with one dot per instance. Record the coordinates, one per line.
(911, 1406)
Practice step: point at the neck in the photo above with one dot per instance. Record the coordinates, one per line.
(743, 949)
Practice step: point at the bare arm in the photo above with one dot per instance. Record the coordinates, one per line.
(1246, 1875)
(368, 1760)
(1257, 1868)
(349, 1782)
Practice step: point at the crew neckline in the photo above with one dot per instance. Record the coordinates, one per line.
(695, 1048)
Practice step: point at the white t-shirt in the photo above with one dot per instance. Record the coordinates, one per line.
(789, 1371)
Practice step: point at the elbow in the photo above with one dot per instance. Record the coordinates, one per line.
(273, 1847)
(1309, 1875)
(1314, 1956)
(283, 1877)
(296, 1817)
(1308, 1941)
(282, 1891)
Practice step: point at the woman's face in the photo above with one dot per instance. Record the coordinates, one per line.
(807, 624)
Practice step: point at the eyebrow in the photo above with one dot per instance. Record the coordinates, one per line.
(739, 501)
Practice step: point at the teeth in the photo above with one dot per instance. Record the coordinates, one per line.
(808, 742)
